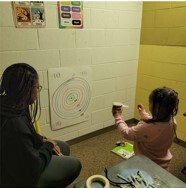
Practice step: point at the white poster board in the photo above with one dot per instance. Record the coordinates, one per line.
(70, 95)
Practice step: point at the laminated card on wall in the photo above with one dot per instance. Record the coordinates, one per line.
(70, 95)
(29, 14)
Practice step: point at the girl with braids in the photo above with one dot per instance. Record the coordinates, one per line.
(154, 134)
(28, 159)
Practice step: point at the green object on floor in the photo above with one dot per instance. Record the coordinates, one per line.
(125, 151)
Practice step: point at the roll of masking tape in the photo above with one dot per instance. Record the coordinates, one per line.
(98, 179)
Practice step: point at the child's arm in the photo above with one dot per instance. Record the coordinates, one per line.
(133, 133)
(123, 127)
(144, 115)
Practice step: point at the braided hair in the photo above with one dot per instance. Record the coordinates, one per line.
(17, 84)
(163, 104)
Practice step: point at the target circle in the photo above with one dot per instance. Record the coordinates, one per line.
(71, 99)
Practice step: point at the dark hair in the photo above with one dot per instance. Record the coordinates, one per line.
(17, 84)
(163, 103)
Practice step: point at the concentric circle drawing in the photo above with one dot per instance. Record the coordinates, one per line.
(71, 99)
(70, 95)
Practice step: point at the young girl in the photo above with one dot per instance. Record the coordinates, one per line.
(28, 159)
(154, 134)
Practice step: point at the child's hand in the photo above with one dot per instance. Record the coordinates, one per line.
(144, 115)
(117, 115)
(116, 112)
(140, 107)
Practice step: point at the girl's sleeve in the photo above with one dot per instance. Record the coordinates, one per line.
(134, 133)
(144, 115)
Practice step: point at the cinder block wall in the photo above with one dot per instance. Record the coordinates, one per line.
(162, 57)
(108, 43)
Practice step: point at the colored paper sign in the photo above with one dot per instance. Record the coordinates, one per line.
(70, 14)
